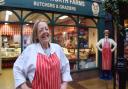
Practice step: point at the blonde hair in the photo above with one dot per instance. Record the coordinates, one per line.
(35, 29)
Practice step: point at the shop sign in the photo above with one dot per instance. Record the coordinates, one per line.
(95, 9)
(2, 2)
(80, 7)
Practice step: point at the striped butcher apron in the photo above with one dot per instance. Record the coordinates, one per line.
(47, 73)
(106, 56)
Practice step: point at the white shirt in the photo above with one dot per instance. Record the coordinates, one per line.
(25, 65)
(101, 43)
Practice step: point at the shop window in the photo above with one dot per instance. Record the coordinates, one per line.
(49, 15)
(35, 16)
(87, 40)
(10, 41)
(10, 38)
(83, 37)
(30, 19)
(18, 12)
(64, 20)
(27, 33)
(88, 22)
(86, 53)
(87, 50)
(78, 42)
(66, 36)
(8, 16)
(26, 13)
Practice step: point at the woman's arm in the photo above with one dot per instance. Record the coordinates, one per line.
(19, 69)
(64, 85)
(65, 69)
(24, 86)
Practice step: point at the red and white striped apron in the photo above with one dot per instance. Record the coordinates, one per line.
(106, 56)
(47, 73)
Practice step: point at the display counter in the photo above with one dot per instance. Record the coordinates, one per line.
(9, 52)
(71, 53)
(8, 56)
(86, 58)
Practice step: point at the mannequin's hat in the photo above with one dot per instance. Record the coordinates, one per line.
(106, 31)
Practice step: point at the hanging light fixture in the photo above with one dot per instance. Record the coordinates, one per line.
(63, 17)
(8, 13)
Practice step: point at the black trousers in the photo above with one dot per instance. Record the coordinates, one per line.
(122, 80)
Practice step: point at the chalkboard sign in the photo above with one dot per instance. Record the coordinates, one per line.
(121, 64)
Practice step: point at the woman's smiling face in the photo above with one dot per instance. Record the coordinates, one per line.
(43, 33)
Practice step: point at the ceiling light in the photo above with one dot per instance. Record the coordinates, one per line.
(5, 23)
(7, 15)
(63, 17)
(30, 21)
(126, 28)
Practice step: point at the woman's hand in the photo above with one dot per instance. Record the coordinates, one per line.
(64, 85)
(25, 86)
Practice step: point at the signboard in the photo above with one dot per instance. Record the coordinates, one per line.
(80, 7)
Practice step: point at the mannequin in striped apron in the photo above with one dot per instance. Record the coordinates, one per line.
(106, 46)
(42, 65)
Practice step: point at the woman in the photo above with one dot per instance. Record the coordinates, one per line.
(42, 63)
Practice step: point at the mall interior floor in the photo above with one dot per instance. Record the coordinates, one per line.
(7, 82)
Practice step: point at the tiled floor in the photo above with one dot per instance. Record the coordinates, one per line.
(7, 82)
(96, 84)
(6, 79)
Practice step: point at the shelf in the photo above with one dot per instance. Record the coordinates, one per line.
(87, 60)
(73, 71)
(83, 59)
(72, 61)
(8, 58)
(73, 66)
(77, 47)
(71, 47)
(84, 48)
